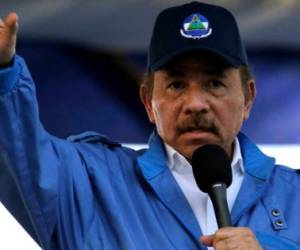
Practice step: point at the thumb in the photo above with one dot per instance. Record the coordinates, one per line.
(8, 37)
(207, 240)
(11, 21)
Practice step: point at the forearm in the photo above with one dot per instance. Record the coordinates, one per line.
(46, 175)
(20, 135)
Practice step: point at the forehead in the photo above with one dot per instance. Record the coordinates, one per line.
(205, 62)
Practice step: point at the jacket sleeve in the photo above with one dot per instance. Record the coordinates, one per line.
(42, 178)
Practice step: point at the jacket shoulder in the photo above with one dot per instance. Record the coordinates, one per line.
(92, 137)
(290, 175)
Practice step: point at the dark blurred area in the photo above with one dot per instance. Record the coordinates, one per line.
(80, 89)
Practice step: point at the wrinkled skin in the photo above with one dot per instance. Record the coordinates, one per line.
(198, 100)
(231, 238)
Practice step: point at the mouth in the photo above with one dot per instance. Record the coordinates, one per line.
(199, 135)
(199, 132)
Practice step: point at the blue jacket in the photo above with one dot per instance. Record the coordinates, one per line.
(89, 192)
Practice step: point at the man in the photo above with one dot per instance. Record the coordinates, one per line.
(91, 193)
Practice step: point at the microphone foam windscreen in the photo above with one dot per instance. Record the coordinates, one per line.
(211, 165)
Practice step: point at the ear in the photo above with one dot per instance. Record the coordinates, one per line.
(147, 103)
(249, 98)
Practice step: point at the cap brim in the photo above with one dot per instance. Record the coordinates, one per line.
(236, 63)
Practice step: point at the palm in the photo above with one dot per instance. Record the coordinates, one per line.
(8, 31)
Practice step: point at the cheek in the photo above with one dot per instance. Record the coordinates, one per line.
(159, 114)
(232, 115)
(165, 116)
(161, 110)
(238, 113)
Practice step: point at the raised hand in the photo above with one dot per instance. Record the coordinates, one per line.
(8, 36)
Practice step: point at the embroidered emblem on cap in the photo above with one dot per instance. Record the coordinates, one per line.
(196, 26)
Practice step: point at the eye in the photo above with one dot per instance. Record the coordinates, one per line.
(176, 85)
(216, 83)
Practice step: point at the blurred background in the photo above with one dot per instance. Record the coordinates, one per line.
(87, 58)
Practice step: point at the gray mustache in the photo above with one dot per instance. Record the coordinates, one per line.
(197, 122)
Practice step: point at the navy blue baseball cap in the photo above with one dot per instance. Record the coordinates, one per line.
(195, 27)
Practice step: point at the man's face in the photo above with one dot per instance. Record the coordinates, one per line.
(198, 100)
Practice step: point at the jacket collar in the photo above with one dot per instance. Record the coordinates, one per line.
(258, 170)
(153, 165)
(257, 164)
(153, 160)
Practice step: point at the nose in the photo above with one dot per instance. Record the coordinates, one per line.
(196, 100)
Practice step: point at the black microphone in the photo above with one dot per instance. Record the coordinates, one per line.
(212, 171)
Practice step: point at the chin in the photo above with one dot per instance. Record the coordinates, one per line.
(190, 146)
(199, 137)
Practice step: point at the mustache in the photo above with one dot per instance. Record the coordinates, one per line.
(197, 121)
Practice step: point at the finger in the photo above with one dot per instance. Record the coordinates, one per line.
(231, 236)
(225, 245)
(11, 21)
(227, 232)
(2, 24)
(207, 240)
